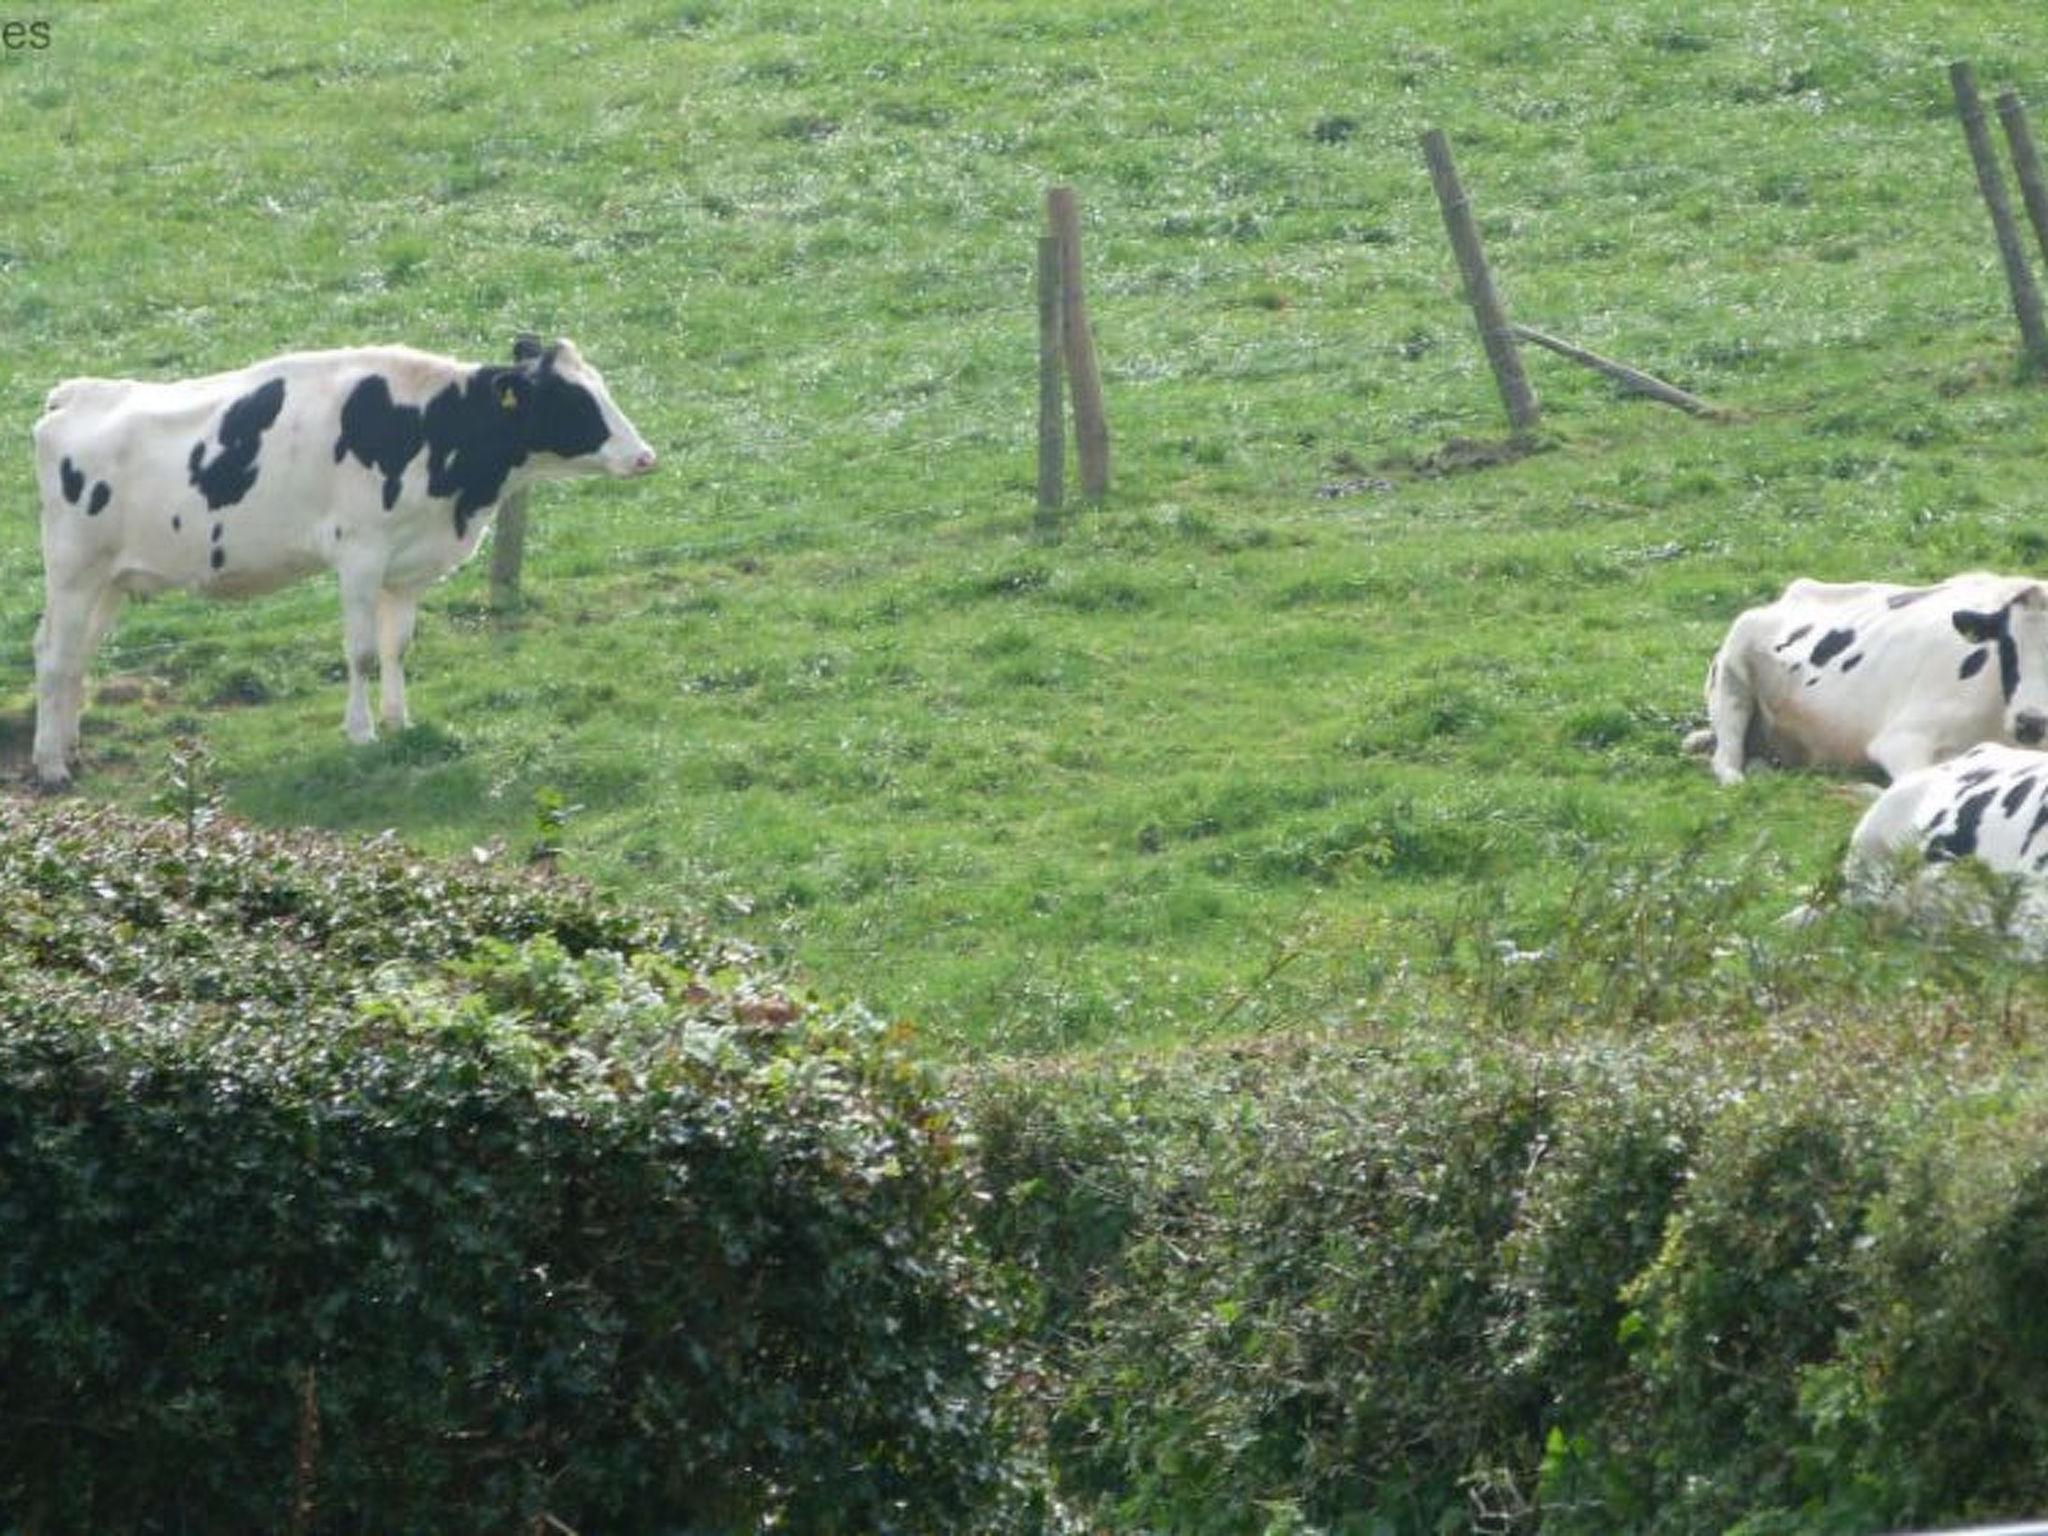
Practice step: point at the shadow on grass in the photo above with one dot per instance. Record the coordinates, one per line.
(418, 777)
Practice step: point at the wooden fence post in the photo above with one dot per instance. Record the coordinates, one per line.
(1494, 331)
(1091, 425)
(2026, 164)
(2019, 277)
(1052, 436)
(508, 552)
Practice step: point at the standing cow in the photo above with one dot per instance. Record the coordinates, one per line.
(1861, 674)
(382, 464)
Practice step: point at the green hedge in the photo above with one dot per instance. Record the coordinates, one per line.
(344, 1192)
(341, 1192)
(1777, 1280)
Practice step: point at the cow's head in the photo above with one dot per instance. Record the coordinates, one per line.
(569, 414)
(2019, 631)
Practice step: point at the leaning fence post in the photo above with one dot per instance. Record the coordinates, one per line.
(508, 552)
(2026, 164)
(1494, 330)
(1052, 436)
(2019, 277)
(1091, 424)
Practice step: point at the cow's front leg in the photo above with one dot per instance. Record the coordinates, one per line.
(359, 649)
(396, 614)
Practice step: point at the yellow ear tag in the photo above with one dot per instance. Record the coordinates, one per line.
(508, 398)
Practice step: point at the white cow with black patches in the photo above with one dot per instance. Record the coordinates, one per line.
(382, 464)
(1988, 807)
(1867, 675)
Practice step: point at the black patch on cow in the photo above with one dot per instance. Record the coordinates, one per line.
(1794, 638)
(383, 435)
(101, 495)
(1852, 664)
(476, 436)
(177, 523)
(1908, 598)
(1934, 822)
(1974, 663)
(1975, 776)
(567, 420)
(232, 473)
(1832, 644)
(1983, 629)
(74, 481)
(2034, 831)
(220, 557)
(2017, 796)
(476, 431)
(1961, 840)
(218, 530)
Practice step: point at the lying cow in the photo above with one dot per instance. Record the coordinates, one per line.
(1988, 807)
(380, 463)
(1860, 674)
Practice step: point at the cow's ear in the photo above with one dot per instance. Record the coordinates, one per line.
(1977, 628)
(526, 347)
(2033, 595)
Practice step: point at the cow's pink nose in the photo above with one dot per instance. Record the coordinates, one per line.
(644, 462)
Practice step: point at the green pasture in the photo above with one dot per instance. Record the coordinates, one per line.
(1215, 756)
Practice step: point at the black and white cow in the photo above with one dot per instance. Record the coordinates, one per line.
(382, 464)
(1988, 807)
(1863, 674)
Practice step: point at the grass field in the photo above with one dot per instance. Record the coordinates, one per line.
(1206, 758)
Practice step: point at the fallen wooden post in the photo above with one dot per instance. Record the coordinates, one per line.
(1631, 378)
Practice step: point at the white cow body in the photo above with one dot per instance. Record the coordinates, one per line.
(1988, 806)
(1868, 675)
(382, 464)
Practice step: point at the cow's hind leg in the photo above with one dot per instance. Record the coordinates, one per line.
(397, 612)
(75, 616)
(359, 608)
(1731, 711)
